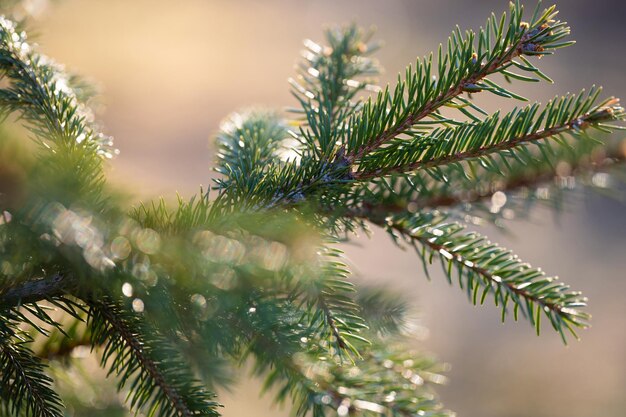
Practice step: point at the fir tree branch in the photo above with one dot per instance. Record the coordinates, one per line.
(296, 364)
(299, 368)
(460, 70)
(329, 72)
(386, 313)
(247, 141)
(41, 91)
(62, 342)
(487, 268)
(332, 324)
(484, 272)
(70, 168)
(513, 185)
(320, 286)
(161, 381)
(418, 191)
(492, 136)
(390, 380)
(252, 286)
(254, 176)
(334, 311)
(327, 84)
(24, 387)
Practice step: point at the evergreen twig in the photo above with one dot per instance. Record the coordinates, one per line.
(249, 270)
(160, 381)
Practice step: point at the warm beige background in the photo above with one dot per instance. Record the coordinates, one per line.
(170, 71)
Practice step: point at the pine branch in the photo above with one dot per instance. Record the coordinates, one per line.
(390, 380)
(572, 114)
(232, 277)
(40, 91)
(328, 84)
(26, 307)
(248, 141)
(329, 73)
(277, 339)
(319, 285)
(333, 310)
(259, 171)
(296, 364)
(483, 268)
(531, 180)
(462, 69)
(452, 187)
(256, 181)
(70, 161)
(24, 387)
(160, 381)
(385, 312)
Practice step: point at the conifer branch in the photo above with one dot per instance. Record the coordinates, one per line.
(483, 268)
(248, 141)
(41, 91)
(459, 259)
(251, 272)
(460, 70)
(329, 386)
(70, 164)
(258, 173)
(24, 387)
(332, 324)
(61, 342)
(160, 381)
(322, 289)
(335, 299)
(494, 135)
(328, 84)
(386, 313)
(482, 185)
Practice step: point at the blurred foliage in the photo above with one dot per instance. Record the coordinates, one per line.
(172, 298)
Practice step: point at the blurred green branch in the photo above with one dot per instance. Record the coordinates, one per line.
(171, 298)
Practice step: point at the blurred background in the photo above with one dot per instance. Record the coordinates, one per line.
(170, 71)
